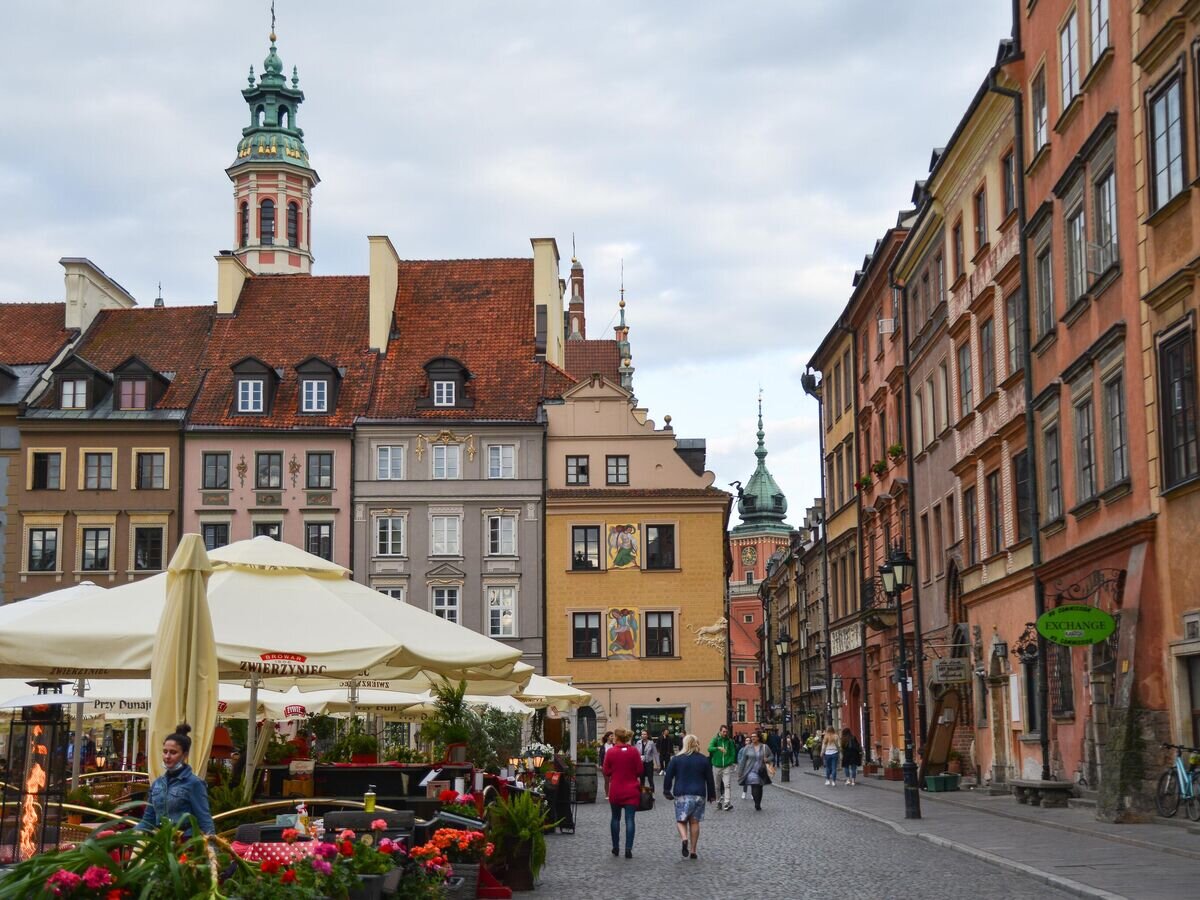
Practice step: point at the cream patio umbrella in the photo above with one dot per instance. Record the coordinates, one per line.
(183, 670)
(541, 692)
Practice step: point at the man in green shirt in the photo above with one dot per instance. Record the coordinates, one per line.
(723, 755)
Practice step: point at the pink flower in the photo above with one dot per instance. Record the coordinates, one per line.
(97, 877)
(63, 881)
(379, 825)
(388, 846)
(290, 835)
(322, 866)
(326, 851)
(346, 835)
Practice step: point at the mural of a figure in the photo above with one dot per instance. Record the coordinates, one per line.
(623, 546)
(622, 633)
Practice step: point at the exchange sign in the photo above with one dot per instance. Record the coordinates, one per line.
(1076, 626)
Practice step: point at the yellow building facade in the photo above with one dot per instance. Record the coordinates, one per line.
(635, 567)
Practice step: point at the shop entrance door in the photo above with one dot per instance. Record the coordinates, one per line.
(655, 719)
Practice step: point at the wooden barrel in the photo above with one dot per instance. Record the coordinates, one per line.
(585, 782)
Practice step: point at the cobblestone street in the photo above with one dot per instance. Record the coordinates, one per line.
(794, 848)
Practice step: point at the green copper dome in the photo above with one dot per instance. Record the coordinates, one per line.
(273, 135)
(762, 505)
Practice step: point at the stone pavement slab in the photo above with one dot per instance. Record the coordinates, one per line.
(794, 849)
(1066, 847)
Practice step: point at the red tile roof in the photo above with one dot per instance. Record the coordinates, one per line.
(32, 333)
(479, 312)
(586, 357)
(283, 320)
(633, 493)
(168, 339)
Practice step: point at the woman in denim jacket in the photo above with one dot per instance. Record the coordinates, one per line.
(179, 792)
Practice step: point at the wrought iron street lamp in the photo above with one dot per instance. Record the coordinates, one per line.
(896, 575)
(782, 645)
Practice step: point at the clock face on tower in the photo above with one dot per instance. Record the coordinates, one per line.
(749, 556)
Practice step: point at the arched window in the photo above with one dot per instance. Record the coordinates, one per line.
(260, 116)
(244, 224)
(293, 225)
(285, 118)
(266, 223)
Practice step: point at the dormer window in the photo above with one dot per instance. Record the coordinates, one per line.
(133, 393)
(250, 395)
(315, 394)
(73, 393)
(319, 382)
(447, 385)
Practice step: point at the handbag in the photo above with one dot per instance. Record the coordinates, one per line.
(645, 800)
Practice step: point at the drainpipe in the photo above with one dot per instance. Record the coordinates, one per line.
(545, 562)
(865, 711)
(1035, 544)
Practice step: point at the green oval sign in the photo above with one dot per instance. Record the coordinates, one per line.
(1076, 626)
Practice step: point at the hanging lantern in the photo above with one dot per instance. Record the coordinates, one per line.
(222, 747)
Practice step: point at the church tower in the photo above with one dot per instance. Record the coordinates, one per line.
(272, 180)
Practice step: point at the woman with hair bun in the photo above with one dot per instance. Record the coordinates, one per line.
(178, 792)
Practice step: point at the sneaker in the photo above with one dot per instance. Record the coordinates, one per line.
(828, 782)
(848, 781)
(743, 795)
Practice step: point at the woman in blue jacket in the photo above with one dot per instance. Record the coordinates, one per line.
(690, 773)
(179, 792)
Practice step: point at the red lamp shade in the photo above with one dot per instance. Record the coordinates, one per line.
(222, 747)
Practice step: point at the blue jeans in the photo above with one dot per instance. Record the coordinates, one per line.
(630, 826)
(851, 772)
(831, 766)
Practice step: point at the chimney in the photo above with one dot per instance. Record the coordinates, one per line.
(548, 297)
(385, 274)
(576, 321)
(89, 290)
(231, 275)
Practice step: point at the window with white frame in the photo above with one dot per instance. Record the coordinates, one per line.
(396, 592)
(502, 461)
(445, 603)
(250, 395)
(389, 536)
(316, 395)
(443, 393)
(1166, 140)
(389, 463)
(966, 402)
(1106, 219)
(1099, 28)
(73, 393)
(1115, 436)
(445, 460)
(1076, 255)
(1085, 450)
(1041, 125)
(1044, 269)
(1178, 407)
(1068, 49)
(445, 534)
(1050, 457)
(502, 611)
(502, 535)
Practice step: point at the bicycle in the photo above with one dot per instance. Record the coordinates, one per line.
(1181, 783)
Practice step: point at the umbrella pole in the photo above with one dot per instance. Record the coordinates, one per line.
(353, 701)
(125, 746)
(252, 725)
(75, 757)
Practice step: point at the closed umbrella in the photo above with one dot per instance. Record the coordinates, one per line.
(183, 670)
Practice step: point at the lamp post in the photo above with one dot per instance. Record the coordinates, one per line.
(896, 575)
(781, 649)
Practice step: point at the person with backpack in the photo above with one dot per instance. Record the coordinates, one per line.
(851, 755)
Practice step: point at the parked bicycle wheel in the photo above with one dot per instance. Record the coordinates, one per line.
(1192, 809)
(1167, 797)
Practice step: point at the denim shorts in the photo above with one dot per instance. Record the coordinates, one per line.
(689, 806)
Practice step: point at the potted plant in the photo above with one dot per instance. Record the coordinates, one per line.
(517, 824)
(465, 850)
(865, 482)
(879, 467)
(954, 762)
(460, 809)
(586, 773)
(893, 772)
(896, 451)
(450, 725)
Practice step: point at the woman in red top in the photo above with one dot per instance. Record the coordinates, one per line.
(623, 768)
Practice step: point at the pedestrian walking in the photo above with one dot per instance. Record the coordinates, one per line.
(851, 755)
(666, 749)
(795, 749)
(722, 752)
(830, 747)
(648, 751)
(774, 742)
(623, 769)
(689, 783)
(754, 768)
(813, 745)
(605, 743)
(178, 793)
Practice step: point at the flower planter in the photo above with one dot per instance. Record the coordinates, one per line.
(370, 888)
(937, 783)
(585, 782)
(368, 759)
(519, 875)
(870, 769)
(893, 773)
(467, 877)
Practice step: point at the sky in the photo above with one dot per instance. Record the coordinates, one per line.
(740, 160)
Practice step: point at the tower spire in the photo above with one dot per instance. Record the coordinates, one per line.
(762, 505)
(761, 452)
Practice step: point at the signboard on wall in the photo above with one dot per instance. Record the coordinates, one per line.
(951, 671)
(845, 639)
